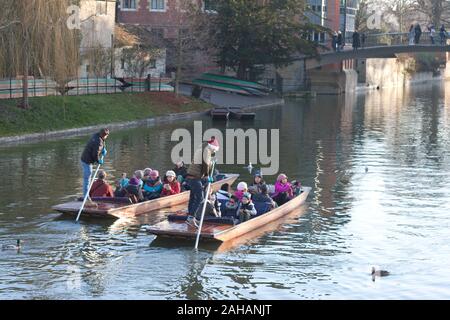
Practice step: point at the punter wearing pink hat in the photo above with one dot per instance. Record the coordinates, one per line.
(200, 168)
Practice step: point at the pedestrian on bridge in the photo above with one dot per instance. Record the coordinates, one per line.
(412, 34)
(340, 41)
(334, 41)
(443, 35)
(432, 31)
(418, 33)
(363, 40)
(356, 41)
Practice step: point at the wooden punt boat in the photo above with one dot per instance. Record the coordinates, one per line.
(224, 232)
(221, 86)
(220, 114)
(116, 210)
(237, 113)
(261, 89)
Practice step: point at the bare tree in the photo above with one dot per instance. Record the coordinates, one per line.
(35, 40)
(138, 59)
(435, 11)
(401, 11)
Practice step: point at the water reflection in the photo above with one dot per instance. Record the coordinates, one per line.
(389, 216)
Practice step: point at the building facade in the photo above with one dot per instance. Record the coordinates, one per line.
(166, 19)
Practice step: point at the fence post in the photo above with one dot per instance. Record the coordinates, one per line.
(34, 81)
(97, 84)
(10, 87)
(160, 83)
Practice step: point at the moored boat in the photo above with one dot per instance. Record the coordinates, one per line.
(216, 231)
(116, 208)
(235, 81)
(220, 114)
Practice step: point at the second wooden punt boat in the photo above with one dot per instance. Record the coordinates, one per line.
(237, 113)
(224, 232)
(220, 114)
(116, 210)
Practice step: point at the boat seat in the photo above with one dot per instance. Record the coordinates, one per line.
(262, 207)
(222, 220)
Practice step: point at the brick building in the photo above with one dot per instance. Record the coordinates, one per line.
(165, 19)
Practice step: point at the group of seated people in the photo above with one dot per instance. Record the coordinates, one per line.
(143, 185)
(249, 201)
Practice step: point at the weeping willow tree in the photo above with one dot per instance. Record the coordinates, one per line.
(35, 40)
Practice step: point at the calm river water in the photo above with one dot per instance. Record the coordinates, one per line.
(395, 216)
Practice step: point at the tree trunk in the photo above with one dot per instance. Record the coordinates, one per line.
(179, 59)
(242, 71)
(25, 101)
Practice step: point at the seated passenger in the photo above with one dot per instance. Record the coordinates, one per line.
(224, 193)
(133, 190)
(230, 207)
(146, 174)
(212, 208)
(263, 196)
(296, 187)
(241, 189)
(100, 188)
(171, 186)
(258, 182)
(123, 182)
(180, 171)
(283, 190)
(139, 174)
(153, 186)
(246, 208)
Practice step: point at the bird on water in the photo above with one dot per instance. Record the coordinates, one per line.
(379, 273)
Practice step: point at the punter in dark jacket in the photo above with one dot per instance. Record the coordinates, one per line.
(93, 153)
(201, 167)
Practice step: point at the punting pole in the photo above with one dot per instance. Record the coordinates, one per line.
(208, 188)
(87, 193)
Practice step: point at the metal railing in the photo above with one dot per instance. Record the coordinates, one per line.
(368, 40)
(12, 88)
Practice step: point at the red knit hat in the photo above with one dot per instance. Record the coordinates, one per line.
(214, 142)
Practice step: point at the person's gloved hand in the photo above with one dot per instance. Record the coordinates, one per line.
(100, 161)
(210, 180)
(104, 152)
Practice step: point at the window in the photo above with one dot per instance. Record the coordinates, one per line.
(313, 8)
(319, 8)
(158, 5)
(129, 5)
(152, 64)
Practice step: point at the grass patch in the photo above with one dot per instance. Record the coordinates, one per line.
(58, 113)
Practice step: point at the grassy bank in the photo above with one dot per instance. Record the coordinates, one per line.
(58, 113)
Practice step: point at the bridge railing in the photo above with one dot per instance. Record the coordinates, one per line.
(396, 38)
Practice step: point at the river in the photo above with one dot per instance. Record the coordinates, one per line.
(395, 215)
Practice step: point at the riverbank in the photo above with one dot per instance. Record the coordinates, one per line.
(54, 115)
(58, 117)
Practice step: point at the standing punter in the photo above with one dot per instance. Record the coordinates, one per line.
(94, 152)
(201, 167)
